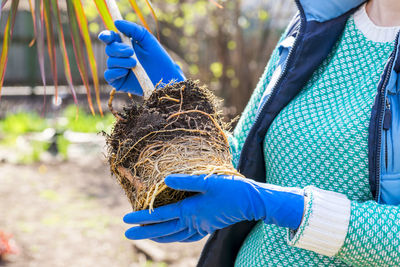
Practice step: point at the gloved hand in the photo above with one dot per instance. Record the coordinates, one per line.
(153, 57)
(222, 201)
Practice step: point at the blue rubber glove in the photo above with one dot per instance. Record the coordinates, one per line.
(153, 57)
(221, 202)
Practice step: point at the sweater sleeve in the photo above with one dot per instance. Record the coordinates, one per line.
(359, 234)
(247, 118)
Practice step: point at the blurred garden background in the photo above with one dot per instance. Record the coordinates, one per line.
(59, 205)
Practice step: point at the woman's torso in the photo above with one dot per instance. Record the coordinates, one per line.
(321, 139)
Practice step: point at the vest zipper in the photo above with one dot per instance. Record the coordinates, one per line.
(387, 121)
(283, 73)
(380, 125)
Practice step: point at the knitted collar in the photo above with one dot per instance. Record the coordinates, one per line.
(370, 30)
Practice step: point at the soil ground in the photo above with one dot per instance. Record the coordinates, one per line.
(70, 214)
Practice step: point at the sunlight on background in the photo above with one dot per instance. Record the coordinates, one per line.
(59, 205)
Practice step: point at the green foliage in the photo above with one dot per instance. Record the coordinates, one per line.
(33, 153)
(15, 128)
(217, 69)
(85, 122)
(150, 263)
(20, 123)
(263, 15)
(62, 145)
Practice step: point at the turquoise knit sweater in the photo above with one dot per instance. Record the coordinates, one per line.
(319, 142)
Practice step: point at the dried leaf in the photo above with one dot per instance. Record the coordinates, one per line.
(8, 31)
(153, 14)
(83, 26)
(63, 48)
(51, 49)
(31, 8)
(79, 51)
(105, 15)
(139, 13)
(40, 44)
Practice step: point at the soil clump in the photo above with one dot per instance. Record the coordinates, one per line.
(179, 129)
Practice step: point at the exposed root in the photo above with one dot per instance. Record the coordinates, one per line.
(193, 155)
(177, 130)
(206, 114)
(170, 98)
(110, 106)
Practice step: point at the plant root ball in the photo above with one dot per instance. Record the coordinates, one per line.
(179, 129)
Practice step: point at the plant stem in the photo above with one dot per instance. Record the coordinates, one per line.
(139, 71)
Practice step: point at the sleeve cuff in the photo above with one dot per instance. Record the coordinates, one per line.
(325, 222)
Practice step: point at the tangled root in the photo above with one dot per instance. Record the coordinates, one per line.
(177, 130)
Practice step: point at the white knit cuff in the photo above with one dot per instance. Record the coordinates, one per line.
(325, 222)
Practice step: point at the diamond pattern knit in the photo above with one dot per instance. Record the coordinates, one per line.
(320, 139)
